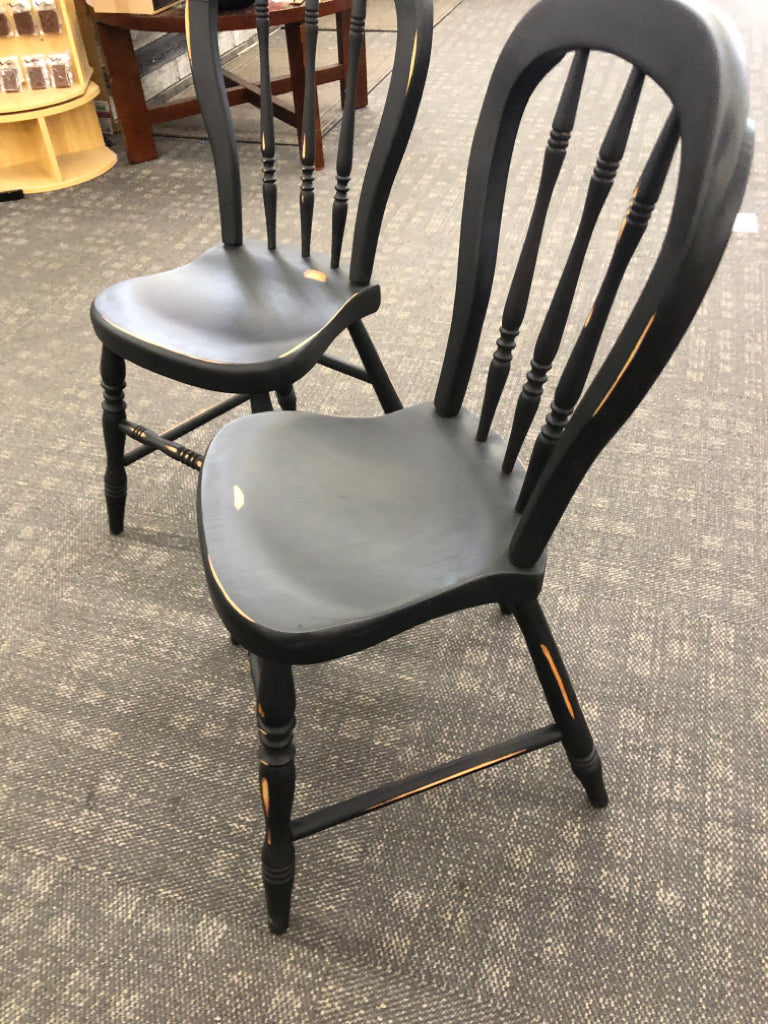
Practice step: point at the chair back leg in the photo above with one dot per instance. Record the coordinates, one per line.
(261, 402)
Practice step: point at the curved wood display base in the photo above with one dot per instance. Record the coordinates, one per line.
(55, 147)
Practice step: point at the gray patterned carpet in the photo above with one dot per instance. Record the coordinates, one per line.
(130, 821)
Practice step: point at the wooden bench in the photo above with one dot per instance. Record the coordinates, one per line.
(136, 117)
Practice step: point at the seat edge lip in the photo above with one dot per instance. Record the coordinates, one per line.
(281, 370)
(327, 644)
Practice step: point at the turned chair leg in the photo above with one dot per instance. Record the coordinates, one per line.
(276, 704)
(560, 695)
(113, 414)
(261, 402)
(286, 398)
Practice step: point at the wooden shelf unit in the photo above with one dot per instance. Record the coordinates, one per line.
(51, 138)
(68, 41)
(48, 149)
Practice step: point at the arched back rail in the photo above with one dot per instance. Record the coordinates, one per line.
(203, 46)
(414, 45)
(412, 53)
(693, 56)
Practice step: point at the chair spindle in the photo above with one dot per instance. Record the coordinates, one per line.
(573, 379)
(346, 137)
(519, 291)
(269, 185)
(551, 333)
(307, 192)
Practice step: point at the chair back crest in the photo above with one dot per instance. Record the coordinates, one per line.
(695, 59)
(412, 53)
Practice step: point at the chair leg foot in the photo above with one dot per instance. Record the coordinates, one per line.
(115, 500)
(589, 771)
(277, 776)
(278, 888)
(113, 414)
(286, 398)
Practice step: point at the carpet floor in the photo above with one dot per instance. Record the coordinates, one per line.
(130, 823)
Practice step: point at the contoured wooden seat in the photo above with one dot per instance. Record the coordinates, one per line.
(251, 316)
(376, 525)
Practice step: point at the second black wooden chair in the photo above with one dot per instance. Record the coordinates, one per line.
(249, 317)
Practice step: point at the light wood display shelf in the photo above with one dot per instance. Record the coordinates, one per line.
(69, 40)
(51, 138)
(48, 149)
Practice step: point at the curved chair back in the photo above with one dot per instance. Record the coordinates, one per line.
(695, 59)
(412, 52)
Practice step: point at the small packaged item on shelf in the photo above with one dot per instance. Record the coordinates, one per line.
(36, 71)
(6, 25)
(10, 74)
(60, 69)
(24, 18)
(48, 16)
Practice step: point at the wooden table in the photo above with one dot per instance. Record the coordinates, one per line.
(136, 117)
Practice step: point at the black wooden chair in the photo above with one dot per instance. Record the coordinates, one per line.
(250, 317)
(376, 525)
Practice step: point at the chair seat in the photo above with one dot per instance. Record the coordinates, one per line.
(282, 312)
(322, 536)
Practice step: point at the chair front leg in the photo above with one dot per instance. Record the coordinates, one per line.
(276, 704)
(113, 414)
(561, 697)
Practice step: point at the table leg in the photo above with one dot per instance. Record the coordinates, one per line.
(127, 92)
